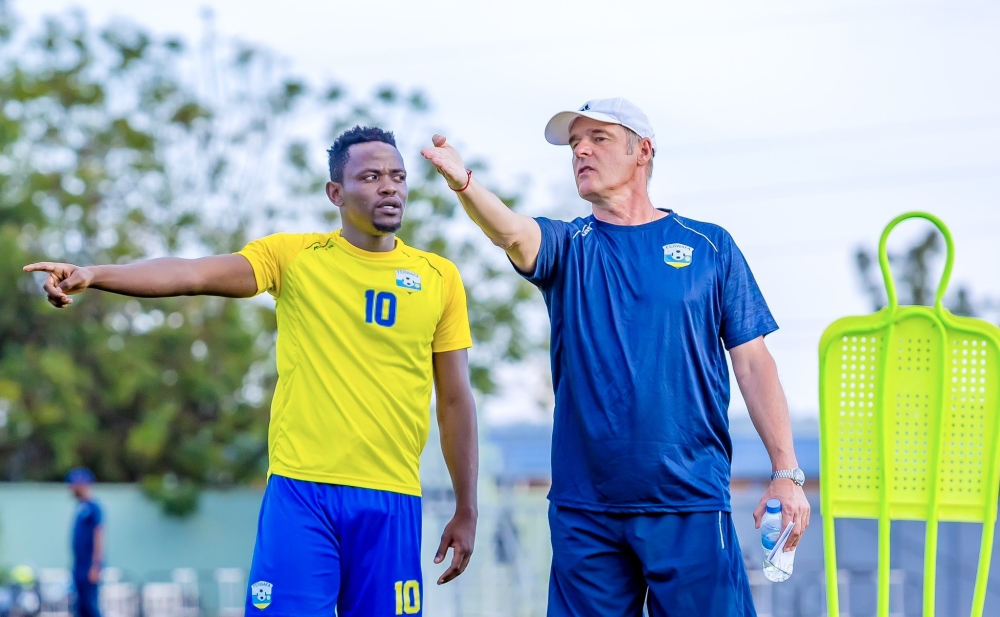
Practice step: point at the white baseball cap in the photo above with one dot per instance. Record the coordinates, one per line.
(613, 111)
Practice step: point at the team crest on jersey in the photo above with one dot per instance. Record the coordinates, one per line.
(677, 255)
(409, 281)
(261, 593)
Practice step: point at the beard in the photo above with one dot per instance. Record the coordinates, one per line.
(388, 228)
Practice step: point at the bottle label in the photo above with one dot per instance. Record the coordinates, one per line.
(769, 541)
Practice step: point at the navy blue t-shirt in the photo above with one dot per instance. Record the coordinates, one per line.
(640, 315)
(88, 518)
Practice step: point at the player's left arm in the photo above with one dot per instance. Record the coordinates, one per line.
(95, 568)
(456, 412)
(757, 376)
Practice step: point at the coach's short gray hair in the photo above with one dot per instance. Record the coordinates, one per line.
(633, 142)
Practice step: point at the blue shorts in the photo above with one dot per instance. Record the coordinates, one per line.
(322, 547)
(606, 565)
(86, 596)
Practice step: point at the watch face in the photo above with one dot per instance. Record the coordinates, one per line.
(798, 476)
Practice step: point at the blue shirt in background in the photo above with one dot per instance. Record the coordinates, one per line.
(88, 518)
(640, 315)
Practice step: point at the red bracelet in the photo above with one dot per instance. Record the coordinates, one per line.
(467, 182)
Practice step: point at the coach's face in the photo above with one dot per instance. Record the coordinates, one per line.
(601, 162)
(373, 194)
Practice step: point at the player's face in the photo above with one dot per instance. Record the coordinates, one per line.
(601, 162)
(373, 193)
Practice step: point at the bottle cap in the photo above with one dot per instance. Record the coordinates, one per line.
(773, 506)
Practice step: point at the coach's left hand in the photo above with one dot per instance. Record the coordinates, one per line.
(460, 535)
(794, 507)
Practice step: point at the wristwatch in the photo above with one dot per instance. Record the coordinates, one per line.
(795, 475)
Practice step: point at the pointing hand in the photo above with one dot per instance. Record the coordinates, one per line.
(448, 161)
(64, 281)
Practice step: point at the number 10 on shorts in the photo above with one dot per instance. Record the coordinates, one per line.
(407, 597)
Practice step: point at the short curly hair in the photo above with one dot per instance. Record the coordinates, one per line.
(338, 152)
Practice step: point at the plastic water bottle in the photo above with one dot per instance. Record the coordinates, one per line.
(770, 531)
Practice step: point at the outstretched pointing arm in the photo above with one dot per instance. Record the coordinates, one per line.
(515, 233)
(230, 276)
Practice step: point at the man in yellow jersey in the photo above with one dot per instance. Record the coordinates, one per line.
(366, 327)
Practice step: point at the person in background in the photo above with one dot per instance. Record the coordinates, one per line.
(88, 542)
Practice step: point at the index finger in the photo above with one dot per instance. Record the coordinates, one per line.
(41, 266)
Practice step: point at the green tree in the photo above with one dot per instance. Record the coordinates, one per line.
(161, 391)
(111, 152)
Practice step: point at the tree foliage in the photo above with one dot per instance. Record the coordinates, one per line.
(118, 145)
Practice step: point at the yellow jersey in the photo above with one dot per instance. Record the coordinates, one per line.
(356, 334)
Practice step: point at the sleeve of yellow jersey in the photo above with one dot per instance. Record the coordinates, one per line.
(453, 331)
(269, 258)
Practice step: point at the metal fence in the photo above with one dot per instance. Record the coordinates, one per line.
(181, 596)
(508, 575)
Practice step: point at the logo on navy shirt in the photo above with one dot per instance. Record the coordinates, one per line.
(261, 593)
(677, 255)
(586, 229)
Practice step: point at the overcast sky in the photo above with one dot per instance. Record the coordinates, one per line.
(801, 127)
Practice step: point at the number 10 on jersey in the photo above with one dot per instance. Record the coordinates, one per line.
(380, 308)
